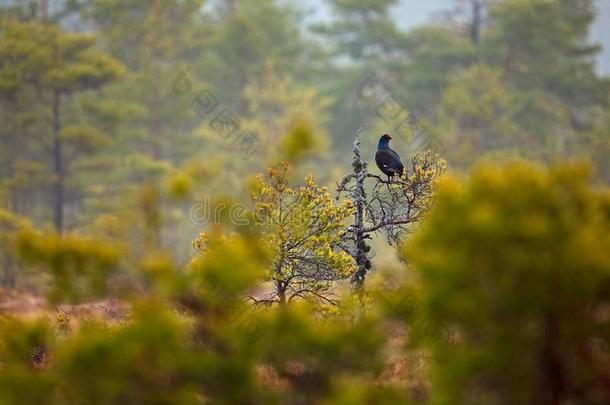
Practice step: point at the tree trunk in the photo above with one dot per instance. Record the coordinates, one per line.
(553, 384)
(358, 196)
(281, 292)
(58, 203)
(280, 285)
(155, 124)
(44, 10)
(475, 26)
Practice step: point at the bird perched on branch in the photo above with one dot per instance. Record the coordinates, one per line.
(387, 160)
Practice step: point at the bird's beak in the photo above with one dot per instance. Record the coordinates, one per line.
(389, 136)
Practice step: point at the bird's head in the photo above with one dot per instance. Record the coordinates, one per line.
(384, 141)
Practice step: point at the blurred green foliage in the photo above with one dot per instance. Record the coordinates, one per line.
(515, 265)
(79, 266)
(509, 298)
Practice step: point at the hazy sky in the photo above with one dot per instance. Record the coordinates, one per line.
(601, 33)
(410, 13)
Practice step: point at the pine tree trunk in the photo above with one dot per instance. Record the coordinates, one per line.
(279, 284)
(553, 384)
(475, 26)
(358, 196)
(281, 294)
(155, 124)
(44, 10)
(58, 192)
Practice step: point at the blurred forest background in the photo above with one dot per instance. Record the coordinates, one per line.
(132, 132)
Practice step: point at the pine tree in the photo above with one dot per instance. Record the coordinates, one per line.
(513, 262)
(48, 69)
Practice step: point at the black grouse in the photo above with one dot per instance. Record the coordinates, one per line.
(387, 160)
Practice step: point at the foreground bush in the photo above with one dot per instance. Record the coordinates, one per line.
(509, 305)
(516, 265)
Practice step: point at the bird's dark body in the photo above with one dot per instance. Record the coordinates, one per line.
(387, 160)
